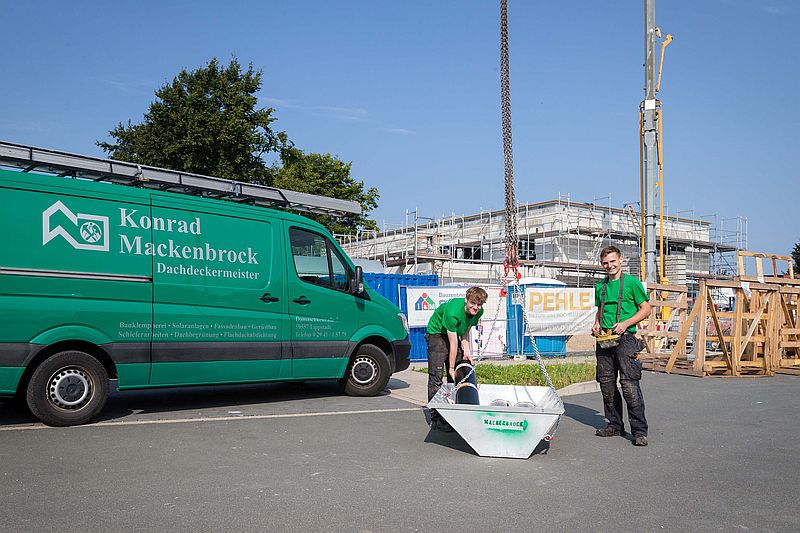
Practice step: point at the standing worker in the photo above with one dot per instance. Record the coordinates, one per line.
(621, 304)
(448, 342)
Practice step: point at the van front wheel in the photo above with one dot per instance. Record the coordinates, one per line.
(68, 389)
(368, 372)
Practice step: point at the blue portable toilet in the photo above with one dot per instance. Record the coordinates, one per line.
(518, 342)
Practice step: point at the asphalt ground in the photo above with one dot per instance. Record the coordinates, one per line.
(301, 457)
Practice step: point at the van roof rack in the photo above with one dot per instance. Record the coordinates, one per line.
(31, 158)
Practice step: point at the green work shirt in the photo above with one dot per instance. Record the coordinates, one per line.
(633, 295)
(451, 316)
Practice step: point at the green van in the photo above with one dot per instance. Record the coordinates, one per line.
(102, 281)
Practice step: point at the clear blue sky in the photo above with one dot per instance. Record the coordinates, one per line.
(409, 92)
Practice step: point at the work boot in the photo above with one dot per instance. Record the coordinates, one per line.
(609, 432)
(641, 440)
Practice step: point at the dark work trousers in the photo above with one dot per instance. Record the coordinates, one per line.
(621, 362)
(439, 365)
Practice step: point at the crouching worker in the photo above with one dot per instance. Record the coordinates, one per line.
(621, 304)
(448, 342)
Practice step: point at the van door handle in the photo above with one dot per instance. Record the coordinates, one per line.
(302, 300)
(267, 297)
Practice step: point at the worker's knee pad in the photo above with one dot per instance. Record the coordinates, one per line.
(608, 389)
(631, 392)
(606, 371)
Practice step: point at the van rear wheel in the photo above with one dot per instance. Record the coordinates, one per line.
(68, 389)
(368, 372)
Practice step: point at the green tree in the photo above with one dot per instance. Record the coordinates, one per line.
(796, 259)
(206, 122)
(326, 175)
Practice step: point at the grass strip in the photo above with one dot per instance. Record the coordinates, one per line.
(530, 374)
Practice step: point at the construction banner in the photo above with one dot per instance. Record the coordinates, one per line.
(550, 310)
(559, 310)
(423, 301)
(488, 338)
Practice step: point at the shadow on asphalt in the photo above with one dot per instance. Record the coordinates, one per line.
(397, 384)
(585, 415)
(166, 400)
(13, 412)
(449, 440)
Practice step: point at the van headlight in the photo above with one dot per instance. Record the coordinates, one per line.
(404, 321)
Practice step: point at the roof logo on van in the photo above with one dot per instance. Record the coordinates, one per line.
(90, 232)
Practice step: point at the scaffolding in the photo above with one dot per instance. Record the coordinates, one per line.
(558, 239)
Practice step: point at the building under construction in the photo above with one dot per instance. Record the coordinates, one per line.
(557, 239)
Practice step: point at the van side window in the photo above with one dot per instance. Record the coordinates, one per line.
(316, 261)
(340, 274)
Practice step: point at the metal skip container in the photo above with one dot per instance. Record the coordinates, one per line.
(510, 420)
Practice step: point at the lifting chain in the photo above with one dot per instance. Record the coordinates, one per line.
(508, 156)
(511, 263)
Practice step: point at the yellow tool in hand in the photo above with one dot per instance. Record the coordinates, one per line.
(608, 339)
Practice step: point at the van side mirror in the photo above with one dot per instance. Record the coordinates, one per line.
(357, 286)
